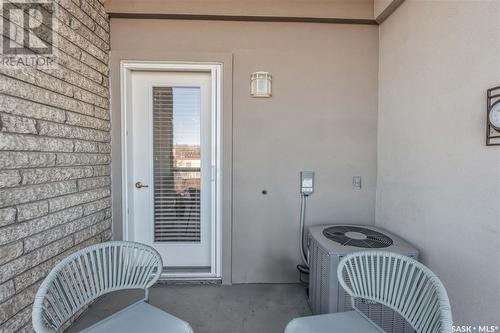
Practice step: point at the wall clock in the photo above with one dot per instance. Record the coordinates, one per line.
(493, 117)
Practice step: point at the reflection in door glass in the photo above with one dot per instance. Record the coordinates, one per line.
(176, 167)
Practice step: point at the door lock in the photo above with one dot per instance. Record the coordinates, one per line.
(140, 185)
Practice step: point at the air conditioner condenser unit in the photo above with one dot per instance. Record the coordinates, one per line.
(327, 245)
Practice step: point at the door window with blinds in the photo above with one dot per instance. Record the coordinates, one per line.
(177, 164)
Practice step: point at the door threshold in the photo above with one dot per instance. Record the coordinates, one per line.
(186, 270)
(175, 280)
(189, 275)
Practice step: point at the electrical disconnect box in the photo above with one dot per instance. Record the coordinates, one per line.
(306, 182)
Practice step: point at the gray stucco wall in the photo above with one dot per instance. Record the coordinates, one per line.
(54, 159)
(438, 185)
(322, 117)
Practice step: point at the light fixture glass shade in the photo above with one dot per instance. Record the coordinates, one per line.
(260, 85)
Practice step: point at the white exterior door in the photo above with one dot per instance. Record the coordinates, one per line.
(172, 168)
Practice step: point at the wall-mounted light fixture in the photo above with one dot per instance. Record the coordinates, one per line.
(260, 85)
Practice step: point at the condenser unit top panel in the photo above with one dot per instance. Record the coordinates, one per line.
(333, 239)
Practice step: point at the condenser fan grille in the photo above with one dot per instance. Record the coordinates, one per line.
(357, 236)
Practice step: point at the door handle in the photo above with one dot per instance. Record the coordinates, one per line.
(140, 185)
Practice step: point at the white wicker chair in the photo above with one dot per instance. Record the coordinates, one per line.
(396, 281)
(97, 270)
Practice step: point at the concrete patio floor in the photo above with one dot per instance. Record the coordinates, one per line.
(239, 308)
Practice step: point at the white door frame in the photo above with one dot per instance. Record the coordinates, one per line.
(215, 69)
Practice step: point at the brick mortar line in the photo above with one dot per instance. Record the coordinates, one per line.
(45, 89)
(31, 285)
(82, 36)
(71, 56)
(2, 326)
(55, 166)
(54, 151)
(24, 238)
(80, 126)
(76, 59)
(48, 213)
(65, 82)
(56, 107)
(81, 22)
(26, 324)
(74, 245)
(71, 234)
(51, 152)
(52, 182)
(106, 29)
(55, 197)
(91, 4)
(21, 185)
(55, 137)
(55, 122)
(107, 32)
(14, 77)
(63, 23)
(42, 262)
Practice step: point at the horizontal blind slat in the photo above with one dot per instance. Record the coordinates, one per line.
(177, 202)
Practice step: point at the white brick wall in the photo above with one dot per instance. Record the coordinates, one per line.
(55, 186)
